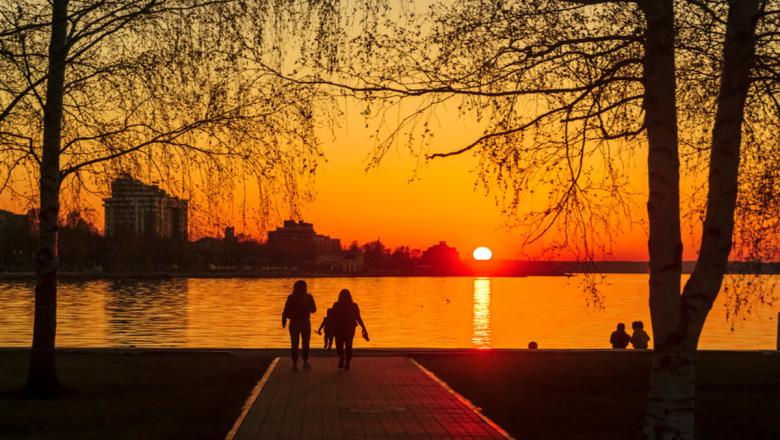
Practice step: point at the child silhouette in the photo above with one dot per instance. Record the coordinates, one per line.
(327, 324)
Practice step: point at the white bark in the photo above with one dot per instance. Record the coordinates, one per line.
(670, 403)
(678, 320)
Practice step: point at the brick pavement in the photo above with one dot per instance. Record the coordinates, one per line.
(379, 398)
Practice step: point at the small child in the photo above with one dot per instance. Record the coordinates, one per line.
(328, 325)
(639, 337)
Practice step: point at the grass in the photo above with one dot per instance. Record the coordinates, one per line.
(131, 395)
(601, 395)
(534, 395)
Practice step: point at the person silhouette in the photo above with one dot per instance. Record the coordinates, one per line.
(298, 309)
(619, 338)
(327, 324)
(346, 316)
(639, 337)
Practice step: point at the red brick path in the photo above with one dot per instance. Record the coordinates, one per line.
(380, 398)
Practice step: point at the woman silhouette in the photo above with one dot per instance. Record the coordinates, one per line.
(298, 309)
(346, 316)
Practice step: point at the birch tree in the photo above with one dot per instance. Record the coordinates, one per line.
(167, 88)
(567, 91)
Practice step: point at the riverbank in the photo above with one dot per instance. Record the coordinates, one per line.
(543, 394)
(89, 276)
(559, 395)
(124, 394)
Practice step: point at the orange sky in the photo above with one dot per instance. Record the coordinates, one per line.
(441, 204)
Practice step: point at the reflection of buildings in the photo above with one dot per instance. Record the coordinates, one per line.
(299, 240)
(148, 313)
(136, 209)
(481, 323)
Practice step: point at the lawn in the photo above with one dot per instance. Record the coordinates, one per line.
(131, 395)
(601, 395)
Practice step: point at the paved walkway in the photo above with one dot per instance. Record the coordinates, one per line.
(380, 398)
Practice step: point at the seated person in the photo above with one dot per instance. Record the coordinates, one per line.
(639, 337)
(619, 338)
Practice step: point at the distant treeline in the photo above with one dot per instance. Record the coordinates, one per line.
(743, 267)
(83, 250)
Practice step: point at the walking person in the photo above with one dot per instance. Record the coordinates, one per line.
(298, 309)
(346, 316)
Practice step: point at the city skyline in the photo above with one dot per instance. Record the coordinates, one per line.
(440, 203)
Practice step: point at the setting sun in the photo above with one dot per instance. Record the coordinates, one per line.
(482, 253)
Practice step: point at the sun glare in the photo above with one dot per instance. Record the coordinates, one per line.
(482, 253)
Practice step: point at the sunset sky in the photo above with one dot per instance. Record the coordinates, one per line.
(406, 201)
(440, 202)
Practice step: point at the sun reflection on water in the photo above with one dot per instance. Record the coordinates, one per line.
(481, 323)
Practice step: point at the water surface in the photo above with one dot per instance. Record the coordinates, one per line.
(436, 312)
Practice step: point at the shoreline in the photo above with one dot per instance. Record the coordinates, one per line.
(73, 276)
(90, 276)
(400, 351)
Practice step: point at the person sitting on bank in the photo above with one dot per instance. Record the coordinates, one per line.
(619, 338)
(639, 337)
(327, 325)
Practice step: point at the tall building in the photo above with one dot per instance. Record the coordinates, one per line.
(299, 240)
(138, 210)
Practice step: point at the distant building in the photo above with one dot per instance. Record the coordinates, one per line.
(347, 263)
(17, 243)
(138, 210)
(352, 263)
(298, 240)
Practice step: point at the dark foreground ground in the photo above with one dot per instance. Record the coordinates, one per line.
(533, 395)
(162, 395)
(601, 395)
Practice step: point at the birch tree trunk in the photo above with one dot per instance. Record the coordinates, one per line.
(663, 209)
(678, 320)
(42, 376)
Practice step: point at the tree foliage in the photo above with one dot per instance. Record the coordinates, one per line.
(558, 89)
(173, 91)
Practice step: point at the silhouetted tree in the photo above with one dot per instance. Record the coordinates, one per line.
(402, 259)
(80, 244)
(567, 92)
(375, 254)
(174, 89)
(442, 259)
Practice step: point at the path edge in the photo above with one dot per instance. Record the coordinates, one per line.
(462, 400)
(250, 401)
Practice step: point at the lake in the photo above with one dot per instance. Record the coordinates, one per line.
(436, 312)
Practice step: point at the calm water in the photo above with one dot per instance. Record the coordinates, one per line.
(399, 312)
